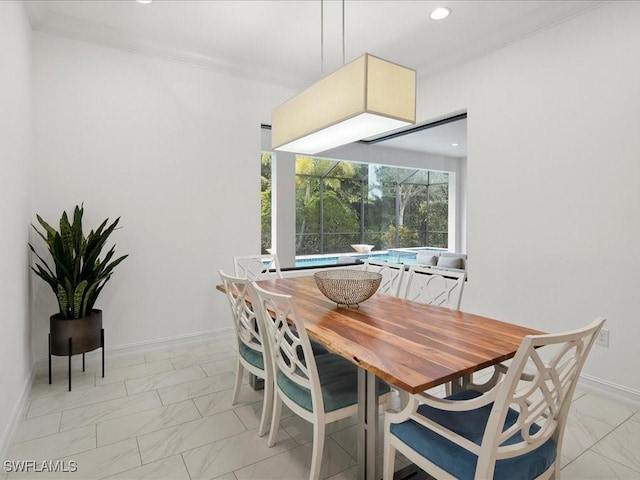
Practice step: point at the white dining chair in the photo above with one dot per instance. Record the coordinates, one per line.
(434, 286)
(253, 348)
(321, 389)
(257, 267)
(392, 275)
(512, 431)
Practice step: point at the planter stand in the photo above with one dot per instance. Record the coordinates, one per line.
(71, 337)
(71, 350)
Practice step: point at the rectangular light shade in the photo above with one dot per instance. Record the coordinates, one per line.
(366, 97)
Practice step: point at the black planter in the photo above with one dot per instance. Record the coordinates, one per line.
(84, 333)
(69, 337)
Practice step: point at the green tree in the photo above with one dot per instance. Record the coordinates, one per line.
(265, 200)
(422, 205)
(315, 176)
(339, 218)
(435, 214)
(407, 237)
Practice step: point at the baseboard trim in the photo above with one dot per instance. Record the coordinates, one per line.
(148, 345)
(610, 390)
(159, 343)
(17, 415)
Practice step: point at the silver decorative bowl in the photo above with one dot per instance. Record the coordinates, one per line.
(347, 287)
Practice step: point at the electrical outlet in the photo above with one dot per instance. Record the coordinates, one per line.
(603, 338)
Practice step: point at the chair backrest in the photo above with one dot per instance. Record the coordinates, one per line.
(392, 275)
(292, 352)
(247, 326)
(435, 286)
(257, 267)
(543, 397)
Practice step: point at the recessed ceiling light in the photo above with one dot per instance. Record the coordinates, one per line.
(144, 1)
(440, 13)
(455, 144)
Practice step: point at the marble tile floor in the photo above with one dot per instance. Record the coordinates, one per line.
(167, 414)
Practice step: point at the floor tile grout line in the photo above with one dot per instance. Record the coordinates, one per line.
(124, 471)
(585, 449)
(187, 450)
(139, 451)
(606, 399)
(604, 421)
(160, 428)
(606, 456)
(98, 403)
(156, 387)
(574, 459)
(239, 419)
(343, 449)
(91, 404)
(45, 436)
(589, 448)
(59, 457)
(196, 407)
(28, 407)
(205, 378)
(60, 422)
(295, 446)
(190, 421)
(233, 472)
(185, 465)
(635, 469)
(137, 378)
(126, 390)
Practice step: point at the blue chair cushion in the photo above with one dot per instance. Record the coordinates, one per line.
(338, 380)
(458, 461)
(252, 356)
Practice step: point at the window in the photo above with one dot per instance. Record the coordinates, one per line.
(331, 204)
(265, 200)
(340, 203)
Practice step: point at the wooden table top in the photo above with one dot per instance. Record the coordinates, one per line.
(409, 344)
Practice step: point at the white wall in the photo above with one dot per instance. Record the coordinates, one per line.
(554, 180)
(15, 210)
(174, 150)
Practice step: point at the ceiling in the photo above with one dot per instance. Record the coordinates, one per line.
(278, 41)
(449, 139)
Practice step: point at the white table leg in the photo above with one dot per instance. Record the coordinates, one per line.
(367, 425)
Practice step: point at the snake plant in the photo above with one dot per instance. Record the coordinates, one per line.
(79, 274)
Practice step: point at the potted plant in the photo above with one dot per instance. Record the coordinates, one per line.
(77, 277)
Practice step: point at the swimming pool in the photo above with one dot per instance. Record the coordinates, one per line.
(394, 256)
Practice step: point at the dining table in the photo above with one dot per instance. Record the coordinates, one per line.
(412, 346)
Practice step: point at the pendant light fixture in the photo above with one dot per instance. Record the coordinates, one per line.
(366, 97)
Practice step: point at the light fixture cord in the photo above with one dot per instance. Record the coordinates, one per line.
(321, 38)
